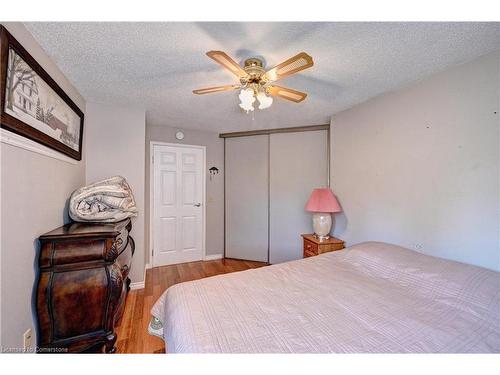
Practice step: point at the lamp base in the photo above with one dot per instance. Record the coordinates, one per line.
(321, 238)
(322, 224)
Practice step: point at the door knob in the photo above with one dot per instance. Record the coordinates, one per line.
(197, 204)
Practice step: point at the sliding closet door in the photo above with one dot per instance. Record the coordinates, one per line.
(298, 164)
(247, 197)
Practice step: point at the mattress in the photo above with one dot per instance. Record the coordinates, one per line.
(369, 298)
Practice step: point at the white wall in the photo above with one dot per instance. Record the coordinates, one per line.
(215, 186)
(34, 192)
(115, 146)
(420, 167)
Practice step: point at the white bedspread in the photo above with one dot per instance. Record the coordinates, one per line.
(372, 297)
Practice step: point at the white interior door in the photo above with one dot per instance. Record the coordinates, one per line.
(178, 204)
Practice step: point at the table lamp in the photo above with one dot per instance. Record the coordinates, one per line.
(322, 204)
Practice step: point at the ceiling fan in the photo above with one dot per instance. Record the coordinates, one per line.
(256, 82)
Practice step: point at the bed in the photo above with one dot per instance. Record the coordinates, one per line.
(369, 298)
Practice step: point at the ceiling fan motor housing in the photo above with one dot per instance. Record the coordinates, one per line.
(254, 67)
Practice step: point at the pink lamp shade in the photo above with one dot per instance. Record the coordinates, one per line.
(323, 200)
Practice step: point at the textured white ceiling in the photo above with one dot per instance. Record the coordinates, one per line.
(156, 65)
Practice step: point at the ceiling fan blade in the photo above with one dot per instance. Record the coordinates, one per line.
(209, 90)
(227, 62)
(291, 66)
(286, 93)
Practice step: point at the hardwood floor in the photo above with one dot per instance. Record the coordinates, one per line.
(132, 330)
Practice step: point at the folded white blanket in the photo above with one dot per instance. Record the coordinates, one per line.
(106, 201)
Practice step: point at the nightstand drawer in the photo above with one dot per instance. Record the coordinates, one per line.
(310, 249)
(313, 246)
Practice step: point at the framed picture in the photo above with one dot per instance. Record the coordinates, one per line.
(33, 105)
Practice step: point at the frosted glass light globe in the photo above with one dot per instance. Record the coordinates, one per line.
(248, 107)
(247, 98)
(264, 100)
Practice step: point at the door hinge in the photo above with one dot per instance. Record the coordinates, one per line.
(152, 251)
(152, 159)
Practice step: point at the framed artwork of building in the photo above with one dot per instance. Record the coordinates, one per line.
(33, 105)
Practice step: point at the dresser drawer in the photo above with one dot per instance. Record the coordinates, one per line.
(124, 259)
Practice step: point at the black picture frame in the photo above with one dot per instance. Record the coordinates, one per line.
(13, 124)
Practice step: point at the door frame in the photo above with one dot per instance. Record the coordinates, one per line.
(152, 145)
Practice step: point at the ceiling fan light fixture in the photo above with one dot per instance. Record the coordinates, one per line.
(258, 84)
(247, 99)
(264, 100)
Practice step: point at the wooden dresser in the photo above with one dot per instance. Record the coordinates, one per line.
(313, 246)
(82, 285)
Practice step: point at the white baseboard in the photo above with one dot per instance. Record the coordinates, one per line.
(148, 266)
(213, 257)
(138, 285)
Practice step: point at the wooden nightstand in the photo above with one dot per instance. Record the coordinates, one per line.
(313, 246)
